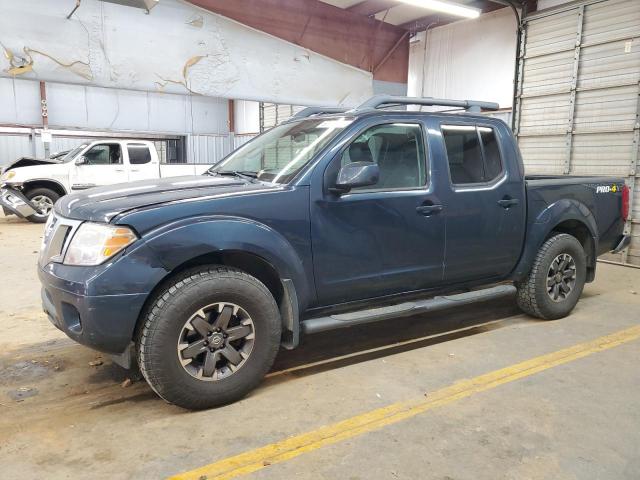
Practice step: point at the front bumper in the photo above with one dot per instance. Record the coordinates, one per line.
(105, 322)
(623, 243)
(14, 202)
(99, 306)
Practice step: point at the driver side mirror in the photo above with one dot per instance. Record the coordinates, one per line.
(81, 160)
(356, 174)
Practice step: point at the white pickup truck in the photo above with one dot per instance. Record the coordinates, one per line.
(29, 187)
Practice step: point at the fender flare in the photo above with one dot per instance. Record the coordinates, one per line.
(219, 233)
(26, 184)
(546, 221)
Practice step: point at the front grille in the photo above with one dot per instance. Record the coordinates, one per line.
(57, 234)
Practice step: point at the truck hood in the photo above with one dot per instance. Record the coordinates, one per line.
(102, 204)
(28, 162)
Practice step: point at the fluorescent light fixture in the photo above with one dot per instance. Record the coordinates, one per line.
(445, 7)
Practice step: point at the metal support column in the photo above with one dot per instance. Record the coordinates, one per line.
(572, 98)
(633, 172)
(517, 102)
(44, 112)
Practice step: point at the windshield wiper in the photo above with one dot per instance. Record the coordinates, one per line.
(246, 175)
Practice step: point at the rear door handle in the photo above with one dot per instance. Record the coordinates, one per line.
(428, 210)
(508, 202)
(119, 169)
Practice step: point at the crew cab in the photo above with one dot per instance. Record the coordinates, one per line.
(29, 187)
(326, 221)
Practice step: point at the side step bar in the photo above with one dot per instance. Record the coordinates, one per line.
(342, 320)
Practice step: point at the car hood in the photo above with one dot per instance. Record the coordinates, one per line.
(28, 162)
(102, 204)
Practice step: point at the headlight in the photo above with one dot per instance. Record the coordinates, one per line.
(8, 175)
(94, 243)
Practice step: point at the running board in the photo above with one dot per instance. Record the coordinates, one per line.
(342, 320)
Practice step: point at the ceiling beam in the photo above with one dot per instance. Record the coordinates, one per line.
(331, 31)
(369, 8)
(420, 24)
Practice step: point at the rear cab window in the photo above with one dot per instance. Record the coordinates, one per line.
(139, 153)
(473, 154)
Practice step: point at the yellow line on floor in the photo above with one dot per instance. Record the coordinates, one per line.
(289, 448)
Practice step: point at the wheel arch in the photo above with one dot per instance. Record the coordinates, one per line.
(565, 216)
(44, 183)
(581, 232)
(283, 290)
(240, 243)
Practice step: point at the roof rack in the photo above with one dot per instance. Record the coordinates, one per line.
(389, 100)
(307, 112)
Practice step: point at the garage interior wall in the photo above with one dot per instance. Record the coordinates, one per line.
(470, 59)
(578, 106)
(78, 113)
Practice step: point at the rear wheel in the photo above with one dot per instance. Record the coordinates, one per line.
(209, 337)
(43, 200)
(554, 284)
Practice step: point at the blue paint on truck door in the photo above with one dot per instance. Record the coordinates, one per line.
(485, 207)
(382, 239)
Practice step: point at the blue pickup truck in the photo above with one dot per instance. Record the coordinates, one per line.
(332, 219)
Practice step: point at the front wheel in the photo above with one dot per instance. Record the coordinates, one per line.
(43, 200)
(209, 337)
(554, 284)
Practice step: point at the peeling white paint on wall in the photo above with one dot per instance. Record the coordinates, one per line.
(177, 48)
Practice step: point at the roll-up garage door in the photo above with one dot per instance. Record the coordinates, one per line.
(578, 104)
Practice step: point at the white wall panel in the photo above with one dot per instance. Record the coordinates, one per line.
(208, 115)
(471, 59)
(103, 108)
(247, 116)
(13, 147)
(85, 107)
(19, 102)
(67, 105)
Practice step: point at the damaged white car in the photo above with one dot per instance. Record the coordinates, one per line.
(29, 187)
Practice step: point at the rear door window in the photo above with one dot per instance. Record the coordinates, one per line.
(492, 159)
(139, 154)
(472, 153)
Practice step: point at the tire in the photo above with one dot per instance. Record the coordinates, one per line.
(537, 291)
(172, 321)
(44, 194)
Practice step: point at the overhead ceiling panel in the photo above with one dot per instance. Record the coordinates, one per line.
(403, 13)
(342, 3)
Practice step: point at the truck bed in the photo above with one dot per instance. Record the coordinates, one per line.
(601, 195)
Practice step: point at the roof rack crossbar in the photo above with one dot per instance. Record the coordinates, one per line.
(470, 105)
(309, 111)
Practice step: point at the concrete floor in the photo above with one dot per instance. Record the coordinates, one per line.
(60, 417)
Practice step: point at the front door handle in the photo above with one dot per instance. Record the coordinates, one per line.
(428, 210)
(508, 202)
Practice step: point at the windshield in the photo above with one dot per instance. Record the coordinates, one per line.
(278, 155)
(72, 154)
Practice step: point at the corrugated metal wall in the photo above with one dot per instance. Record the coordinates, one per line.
(15, 146)
(272, 114)
(578, 109)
